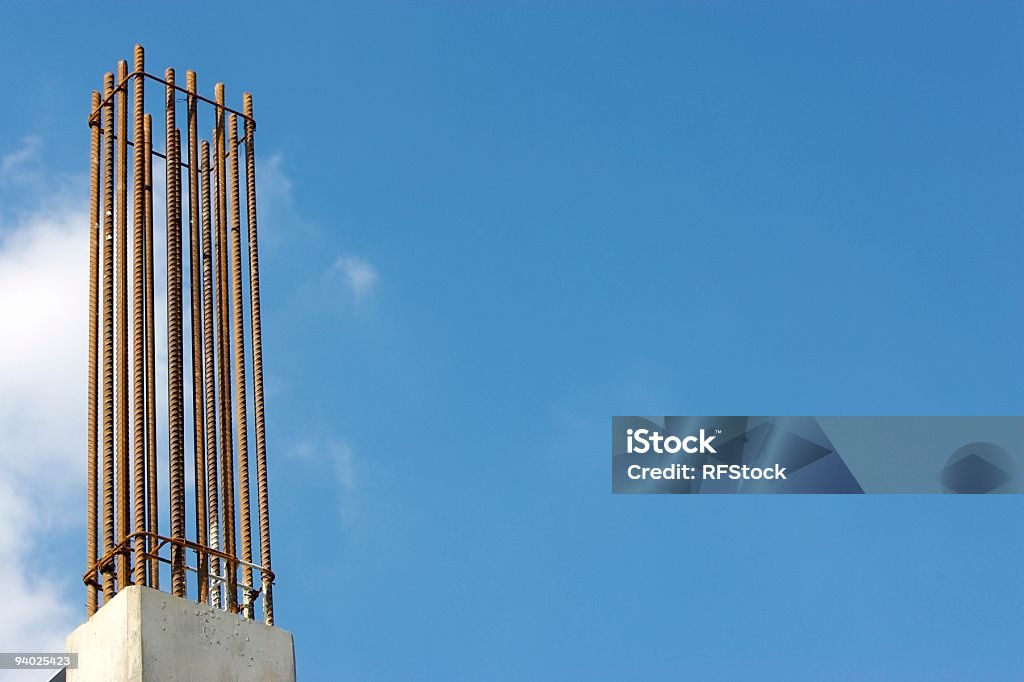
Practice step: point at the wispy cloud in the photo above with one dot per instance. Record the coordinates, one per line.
(22, 166)
(339, 459)
(275, 186)
(358, 275)
(15, 164)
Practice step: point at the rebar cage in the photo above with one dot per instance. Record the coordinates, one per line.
(130, 545)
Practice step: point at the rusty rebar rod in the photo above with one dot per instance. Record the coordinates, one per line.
(93, 391)
(121, 324)
(175, 402)
(209, 376)
(108, 333)
(196, 290)
(257, 361)
(121, 443)
(152, 501)
(224, 344)
(138, 323)
(242, 428)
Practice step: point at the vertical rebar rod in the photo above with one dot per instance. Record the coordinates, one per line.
(108, 332)
(242, 428)
(138, 321)
(152, 499)
(121, 325)
(122, 434)
(175, 402)
(257, 363)
(93, 391)
(209, 376)
(196, 290)
(179, 492)
(224, 344)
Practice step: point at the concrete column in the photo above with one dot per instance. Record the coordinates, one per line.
(144, 635)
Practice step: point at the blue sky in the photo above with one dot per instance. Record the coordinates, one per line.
(488, 227)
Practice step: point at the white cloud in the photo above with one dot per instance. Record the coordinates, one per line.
(43, 318)
(359, 276)
(43, 325)
(43, 306)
